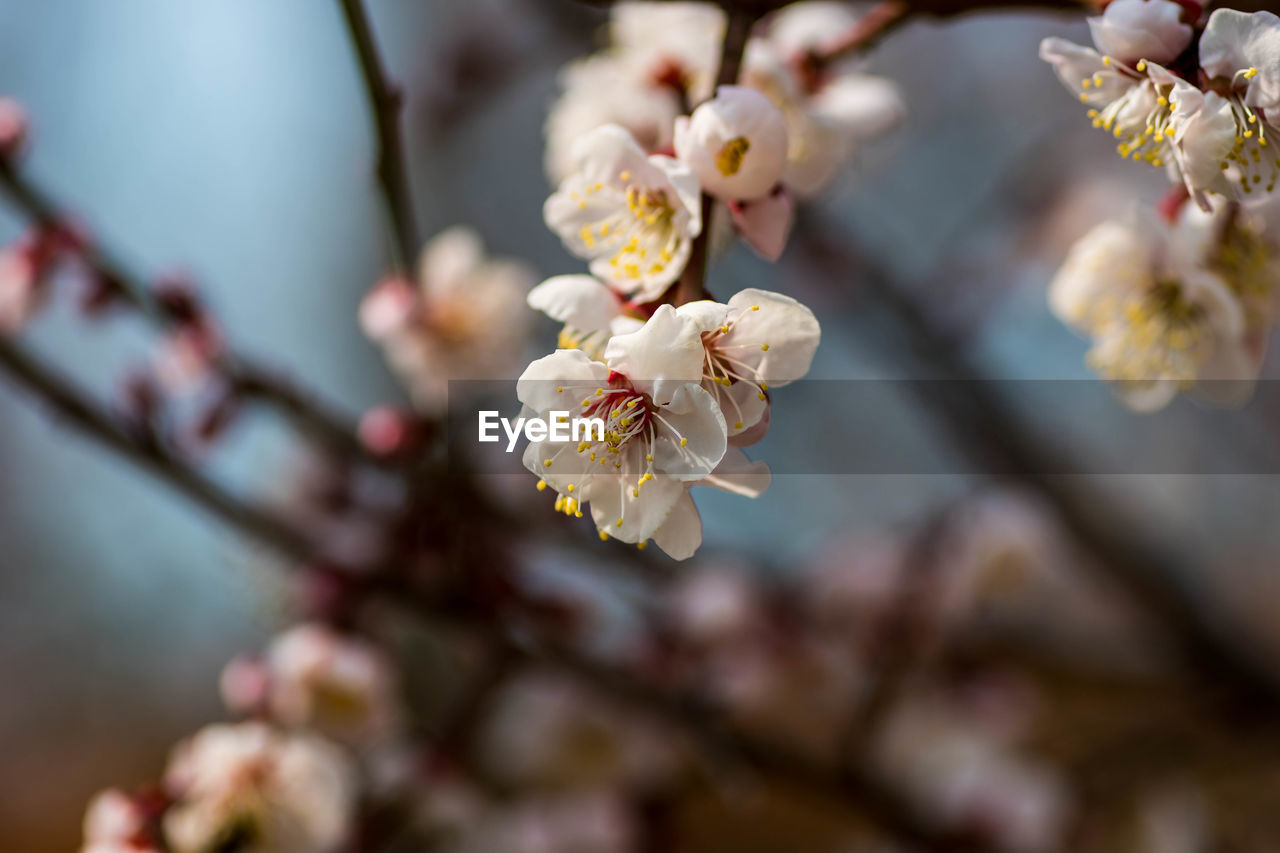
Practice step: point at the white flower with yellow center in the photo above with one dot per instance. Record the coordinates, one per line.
(1162, 321)
(590, 310)
(1240, 54)
(679, 41)
(736, 143)
(756, 341)
(662, 429)
(254, 789)
(633, 215)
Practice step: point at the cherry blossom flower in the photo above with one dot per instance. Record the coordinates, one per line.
(756, 341)
(1163, 315)
(736, 143)
(662, 430)
(677, 41)
(608, 88)
(115, 823)
(829, 113)
(463, 319)
(590, 310)
(250, 787)
(633, 215)
(340, 686)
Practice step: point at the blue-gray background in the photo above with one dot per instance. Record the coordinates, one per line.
(229, 139)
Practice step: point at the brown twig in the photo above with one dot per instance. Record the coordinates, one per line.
(692, 284)
(385, 100)
(247, 377)
(76, 409)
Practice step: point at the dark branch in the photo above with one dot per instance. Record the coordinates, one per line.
(247, 377)
(385, 100)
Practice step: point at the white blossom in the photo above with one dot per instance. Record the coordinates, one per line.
(633, 215)
(736, 143)
(340, 686)
(756, 341)
(680, 41)
(662, 429)
(608, 88)
(1163, 307)
(462, 319)
(251, 788)
(115, 823)
(589, 309)
(829, 115)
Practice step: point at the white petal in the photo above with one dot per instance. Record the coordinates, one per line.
(663, 355)
(560, 381)
(738, 475)
(706, 315)
(449, 259)
(691, 436)
(581, 302)
(785, 326)
(681, 534)
(642, 509)
(1236, 41)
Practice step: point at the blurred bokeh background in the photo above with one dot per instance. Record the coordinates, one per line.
(229, 140)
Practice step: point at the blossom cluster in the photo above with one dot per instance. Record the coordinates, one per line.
(643, 190)
(1186, 299)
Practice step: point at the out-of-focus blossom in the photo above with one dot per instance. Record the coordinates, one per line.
(25, 269)
(249, 787)
(1164, 305)
(758, 340)
(608, 88)
(13, 127)
(968, 778)
(830, 112)
(662, 430)
(633, 215)
(464, 318)
(338, 685)
(679, 42)
(548, 731)
(736, 143)
(577, 822)
(713, 606)
(116, 823)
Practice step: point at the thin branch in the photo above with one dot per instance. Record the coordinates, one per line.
(247, 377)
(848, 788)
(75, 408)
(691, 286)
(385, 100)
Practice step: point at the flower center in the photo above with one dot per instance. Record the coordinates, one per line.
(1158, 334)
(1254, 160)
(729, 159)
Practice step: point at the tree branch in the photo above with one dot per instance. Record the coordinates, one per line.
(385, 100)
(247, 377)
(691, 285)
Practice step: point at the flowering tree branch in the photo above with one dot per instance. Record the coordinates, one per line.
(385, 101)
(245, 376)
